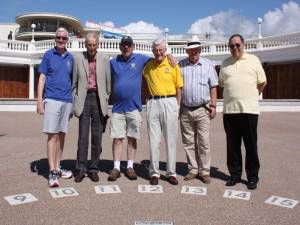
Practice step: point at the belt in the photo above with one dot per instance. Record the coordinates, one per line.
(196, 107)
(161, 96)
(92, 91)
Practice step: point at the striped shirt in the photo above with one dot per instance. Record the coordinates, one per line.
(198, 79)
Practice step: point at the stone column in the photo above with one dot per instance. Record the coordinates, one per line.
(31, 81)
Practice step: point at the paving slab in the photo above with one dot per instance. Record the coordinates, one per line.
(23, 166)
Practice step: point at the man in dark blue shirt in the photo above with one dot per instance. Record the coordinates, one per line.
(126, 70)
(55, 102)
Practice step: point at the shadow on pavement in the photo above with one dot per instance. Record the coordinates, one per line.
(143, 169)
(215, 173)
(41, 166)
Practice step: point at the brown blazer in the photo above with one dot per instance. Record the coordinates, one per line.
(80, 81)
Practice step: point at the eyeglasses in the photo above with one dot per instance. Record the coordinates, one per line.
(158, 50)
(61, 38)
(232, 46)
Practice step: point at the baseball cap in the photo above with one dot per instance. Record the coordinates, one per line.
(126, 39)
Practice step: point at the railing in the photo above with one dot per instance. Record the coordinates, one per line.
(111, 46)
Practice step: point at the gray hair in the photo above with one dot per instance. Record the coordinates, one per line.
(159, 41)
(92, 35)
(62, 29)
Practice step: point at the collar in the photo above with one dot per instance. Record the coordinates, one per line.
(165, 62)
(55, 51)
(86, 55)
(200, 62)
(244, 56)
(120, 58)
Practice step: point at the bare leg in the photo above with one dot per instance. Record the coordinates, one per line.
(131, 148)
(117, 149)
(51, 150)
(60, 148)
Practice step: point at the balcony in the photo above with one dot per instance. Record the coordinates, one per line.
(276, 48)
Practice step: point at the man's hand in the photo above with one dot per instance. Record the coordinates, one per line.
(212, 112)
(172, 60)
(40, 107)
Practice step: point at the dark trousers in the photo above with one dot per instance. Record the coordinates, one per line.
(238, 127)
(91, 114)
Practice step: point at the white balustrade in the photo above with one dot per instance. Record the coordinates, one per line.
(111, 46)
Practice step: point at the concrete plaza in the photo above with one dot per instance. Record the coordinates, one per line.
(23, 166)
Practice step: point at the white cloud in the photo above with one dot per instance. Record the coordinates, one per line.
(109, 23)
(221, 25)
(143, 30)
(283, 20)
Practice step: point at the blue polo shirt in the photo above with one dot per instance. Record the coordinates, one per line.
(58, 71)
(127, 80)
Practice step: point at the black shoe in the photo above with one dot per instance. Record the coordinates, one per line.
(93, 176)
(79, 176)
(233, 181)
(172, 180)
(252, 184)
(154, 180)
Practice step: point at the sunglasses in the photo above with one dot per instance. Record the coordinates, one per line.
(232, 46)
(61, 38)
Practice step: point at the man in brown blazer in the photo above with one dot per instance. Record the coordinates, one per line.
(91, 89)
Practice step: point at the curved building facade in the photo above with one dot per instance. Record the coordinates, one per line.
(45, 25)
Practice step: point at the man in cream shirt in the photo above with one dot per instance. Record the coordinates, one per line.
(243, 80)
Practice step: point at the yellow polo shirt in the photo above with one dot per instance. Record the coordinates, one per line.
(162, 79)
(239, 78)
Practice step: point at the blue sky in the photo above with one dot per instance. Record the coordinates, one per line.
(178, 16)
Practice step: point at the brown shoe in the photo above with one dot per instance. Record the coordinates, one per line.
(154, 180)
(172, 180)
(131, 174)
(190, 176)
(114, 175)
(206, 179)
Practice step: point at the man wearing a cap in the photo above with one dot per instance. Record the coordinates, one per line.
(198, 107)
(126, 70)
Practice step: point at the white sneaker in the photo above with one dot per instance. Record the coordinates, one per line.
(66, 174)
(53, 180)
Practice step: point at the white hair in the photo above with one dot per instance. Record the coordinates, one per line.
(62, 29)
(92, 35)
(159, 41)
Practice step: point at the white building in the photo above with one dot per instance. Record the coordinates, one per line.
(20, 57)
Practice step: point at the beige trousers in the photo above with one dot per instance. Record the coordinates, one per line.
(162, 117)
(195, 138)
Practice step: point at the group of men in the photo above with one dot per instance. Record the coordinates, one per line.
(187, 90)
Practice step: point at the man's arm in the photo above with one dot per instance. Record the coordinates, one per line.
(213, 102)
(75, 77)
(41, 84)
(178, 95)
(108, 78)
(261, 86)
(172, 60)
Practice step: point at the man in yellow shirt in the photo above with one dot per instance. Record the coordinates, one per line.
(243, 80)
(164, 84)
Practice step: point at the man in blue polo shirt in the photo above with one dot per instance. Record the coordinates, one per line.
(55, 102)
(126, 70)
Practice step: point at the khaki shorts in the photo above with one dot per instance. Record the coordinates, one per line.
(125, 125)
